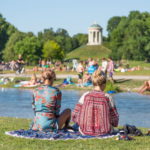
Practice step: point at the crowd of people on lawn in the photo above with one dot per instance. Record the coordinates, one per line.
(14, 65)
(95, 113)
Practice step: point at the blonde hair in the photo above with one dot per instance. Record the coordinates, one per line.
(48, 75)
(34, 77)
(98, 79)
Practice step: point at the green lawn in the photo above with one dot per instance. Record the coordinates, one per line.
(13, 143)
(141, 72)
(138, 63)
(119, 85)
(129, 85)
(58, 82)
(144, 67)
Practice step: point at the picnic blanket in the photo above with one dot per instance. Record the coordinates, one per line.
(60, 135)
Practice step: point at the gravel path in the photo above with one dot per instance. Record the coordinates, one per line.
(135, 77)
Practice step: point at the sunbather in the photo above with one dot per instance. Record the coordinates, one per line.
(145, 87)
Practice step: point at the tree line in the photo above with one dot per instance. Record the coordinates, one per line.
(47, 44)
(128, 38)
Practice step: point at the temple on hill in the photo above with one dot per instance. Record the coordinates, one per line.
(95, 34)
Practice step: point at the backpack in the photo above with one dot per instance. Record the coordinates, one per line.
(131, 129)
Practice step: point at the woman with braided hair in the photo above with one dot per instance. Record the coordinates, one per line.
(46, 105)
(96, 113)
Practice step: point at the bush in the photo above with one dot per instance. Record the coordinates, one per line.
(111, 87)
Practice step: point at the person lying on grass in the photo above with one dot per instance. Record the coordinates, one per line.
(32, 82)
(96, 113)
(46, 105)
(87, 80)
(145, 87)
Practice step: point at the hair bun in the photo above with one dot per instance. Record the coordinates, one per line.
(98, 78)
(48, 75)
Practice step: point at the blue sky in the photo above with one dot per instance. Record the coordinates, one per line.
(73, 15)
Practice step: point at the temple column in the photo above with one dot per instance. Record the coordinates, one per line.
(95, 35)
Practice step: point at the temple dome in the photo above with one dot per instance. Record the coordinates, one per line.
(95, 25)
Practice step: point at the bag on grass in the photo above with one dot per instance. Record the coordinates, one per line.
(131, 129)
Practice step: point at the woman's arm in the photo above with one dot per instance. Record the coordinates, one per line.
(33, 103)
(58, 103)
(77, 109)
(76, 113)
(114, 116)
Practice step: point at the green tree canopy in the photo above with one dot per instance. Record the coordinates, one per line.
(113, 23)
(9, 52)
(29, 48)
(81, 38)
(47, 34)
(6, 29)
(52, 50)
(129, 37)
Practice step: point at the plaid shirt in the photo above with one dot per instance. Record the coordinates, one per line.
(95, 113)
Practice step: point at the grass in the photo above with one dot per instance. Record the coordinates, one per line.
(15, 81)
(13, 143)
(137, 63)
(109, 86)
(87, 51)
(119, 85)
(144, 68)
(138, 73)
(129, 85)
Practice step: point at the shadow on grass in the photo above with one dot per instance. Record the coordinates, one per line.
(122, 80)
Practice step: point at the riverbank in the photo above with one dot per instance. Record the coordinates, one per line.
(120, 85)
(13, 143)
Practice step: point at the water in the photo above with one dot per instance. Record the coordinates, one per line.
(133, 108)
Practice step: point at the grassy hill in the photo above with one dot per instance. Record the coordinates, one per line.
(86, 51)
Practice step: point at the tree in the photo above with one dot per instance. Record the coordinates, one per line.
(113, 23)
(53, 51)
(130, 37)
(6, 29)
(65, 42)
(9, 52)
(81, 38)
(30, 48)
(62, 32)
(47, 34)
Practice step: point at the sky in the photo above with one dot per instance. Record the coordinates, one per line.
(73, 15)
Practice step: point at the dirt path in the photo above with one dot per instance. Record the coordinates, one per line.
(135, 77)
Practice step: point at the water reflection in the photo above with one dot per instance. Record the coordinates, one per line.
(132, 107)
